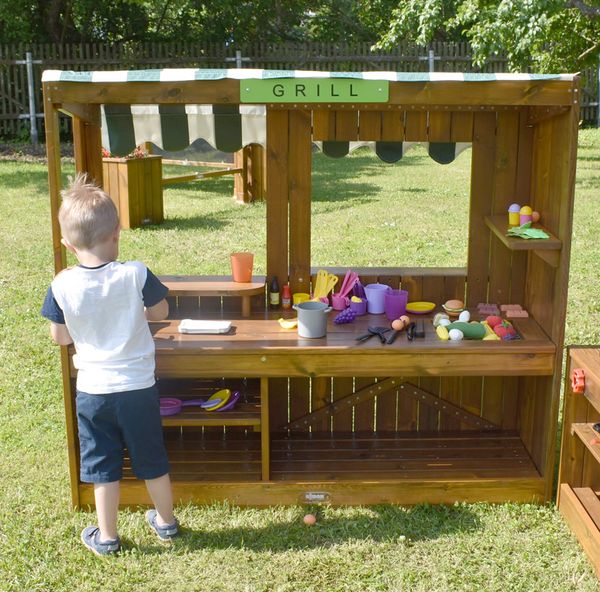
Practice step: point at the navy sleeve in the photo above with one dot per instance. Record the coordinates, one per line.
(153, 291)
(51, 310)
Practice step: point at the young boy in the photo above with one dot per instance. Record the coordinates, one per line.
(103, 308)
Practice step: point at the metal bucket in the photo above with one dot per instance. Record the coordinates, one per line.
(312, 319)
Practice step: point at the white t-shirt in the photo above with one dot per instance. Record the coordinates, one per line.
(103, 310)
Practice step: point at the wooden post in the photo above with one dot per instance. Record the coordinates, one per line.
(60, 262)
(300, 185)
(87, 144)
(277, 195)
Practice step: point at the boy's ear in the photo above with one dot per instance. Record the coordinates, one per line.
(67, 245)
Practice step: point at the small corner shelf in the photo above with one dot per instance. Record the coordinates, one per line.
(499, 226)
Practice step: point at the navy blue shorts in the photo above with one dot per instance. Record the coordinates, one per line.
(109, 424)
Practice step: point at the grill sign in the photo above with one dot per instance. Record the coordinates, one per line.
(314, 90)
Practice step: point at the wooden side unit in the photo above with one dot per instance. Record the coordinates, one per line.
(135, 186)
(579, 473)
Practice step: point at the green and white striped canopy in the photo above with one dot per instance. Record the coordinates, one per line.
(189, 74)
(174, 127)
(228, 128)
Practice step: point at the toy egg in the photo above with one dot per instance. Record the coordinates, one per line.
(405, 319)
(455, 335)
(310, 519)
(535, 216)
(525, 215)
(513, 214)
(444, 322)
(397, 325)
(438, 317)
(464, 316)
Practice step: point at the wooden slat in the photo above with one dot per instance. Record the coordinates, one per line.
(474, 420)
(415, 129)
(461, 126)
(299, 180)
(346, 126)
(369, 125)
(323, 125)
(590, 502)
(392, 126)
(439, 126)
(342, 387)
(408, 491)
(277, 194)
(482, 186)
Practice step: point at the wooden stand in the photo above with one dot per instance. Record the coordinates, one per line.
(579, 474)
(135, 185)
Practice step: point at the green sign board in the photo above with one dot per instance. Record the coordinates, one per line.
(314, 90)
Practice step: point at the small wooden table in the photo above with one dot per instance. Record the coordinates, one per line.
(189, 285)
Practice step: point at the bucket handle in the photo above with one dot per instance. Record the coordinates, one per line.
(325, 310)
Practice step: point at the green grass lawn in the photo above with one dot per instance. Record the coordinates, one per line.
(365, 214)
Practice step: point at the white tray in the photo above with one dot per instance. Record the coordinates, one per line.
(204, 327)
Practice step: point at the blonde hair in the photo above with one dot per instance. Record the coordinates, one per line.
(87, 216)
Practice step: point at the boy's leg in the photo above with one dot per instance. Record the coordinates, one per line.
(106, 496)
(162, 498)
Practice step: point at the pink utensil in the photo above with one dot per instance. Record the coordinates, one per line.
(348, 283)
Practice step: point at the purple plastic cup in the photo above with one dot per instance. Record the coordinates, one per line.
(376, 297)
(395, 303)
(360, 308)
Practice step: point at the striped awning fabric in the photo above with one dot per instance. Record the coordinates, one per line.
(175, 127)
(226, 128)
(441, 152)
(189, 74)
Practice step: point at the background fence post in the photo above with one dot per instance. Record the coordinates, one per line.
(33, 132)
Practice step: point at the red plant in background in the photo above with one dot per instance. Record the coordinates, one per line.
(137, 152)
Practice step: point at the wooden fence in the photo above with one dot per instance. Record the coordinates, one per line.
(16, 100)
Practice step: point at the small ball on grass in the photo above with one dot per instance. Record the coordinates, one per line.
(310, 519)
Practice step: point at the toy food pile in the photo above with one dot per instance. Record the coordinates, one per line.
(492, 328)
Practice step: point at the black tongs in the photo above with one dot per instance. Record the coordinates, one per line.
(380, 331)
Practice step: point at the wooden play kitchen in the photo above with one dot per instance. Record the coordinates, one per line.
(334, 419)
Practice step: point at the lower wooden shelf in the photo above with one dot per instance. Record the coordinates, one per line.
(580, 508)
(208, 465)
(243, 415)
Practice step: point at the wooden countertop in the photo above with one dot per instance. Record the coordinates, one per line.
(258, 346)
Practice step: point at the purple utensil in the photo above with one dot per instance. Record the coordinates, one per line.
(359, 290)
(173, 406)
(235, 397)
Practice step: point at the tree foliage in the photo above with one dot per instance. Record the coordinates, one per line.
(545, 35)
(542, 35)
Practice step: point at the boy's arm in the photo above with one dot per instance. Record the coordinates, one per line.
(52, 311)
(154, 295)
(158, 312)
(60, 334)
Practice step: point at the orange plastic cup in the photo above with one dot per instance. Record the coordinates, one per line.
(241, 267)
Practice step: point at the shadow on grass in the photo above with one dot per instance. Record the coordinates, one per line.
(385, 524)
(21, 178)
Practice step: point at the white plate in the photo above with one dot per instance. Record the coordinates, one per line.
(204, 327)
